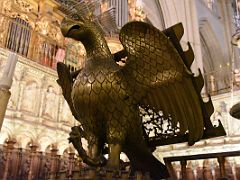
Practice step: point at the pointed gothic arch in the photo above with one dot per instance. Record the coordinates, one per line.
(213, 55)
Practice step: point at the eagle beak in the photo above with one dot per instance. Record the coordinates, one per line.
(68, 24)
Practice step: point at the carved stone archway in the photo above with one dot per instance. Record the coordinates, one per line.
(211, 48)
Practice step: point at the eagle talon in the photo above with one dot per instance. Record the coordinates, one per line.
(76, 135)
(102, 160)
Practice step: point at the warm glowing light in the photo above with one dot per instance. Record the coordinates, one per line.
(115, 47)
(139, 3)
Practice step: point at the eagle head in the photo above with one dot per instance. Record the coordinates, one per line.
(74, 28)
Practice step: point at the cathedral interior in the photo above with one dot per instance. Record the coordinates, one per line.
(35, 126)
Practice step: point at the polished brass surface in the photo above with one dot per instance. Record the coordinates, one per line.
(235, 111)
(105, 97)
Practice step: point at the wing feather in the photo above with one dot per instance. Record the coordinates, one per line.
(149, 49)
(154, 62)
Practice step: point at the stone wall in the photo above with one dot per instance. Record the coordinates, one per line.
(37, 112)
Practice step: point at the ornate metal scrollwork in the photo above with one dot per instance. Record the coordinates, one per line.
(156, 125)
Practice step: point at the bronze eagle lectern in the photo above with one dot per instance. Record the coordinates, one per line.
(105, 97)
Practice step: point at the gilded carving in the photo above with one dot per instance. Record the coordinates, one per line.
(42, 25)
(3, 29)
(7, 7)
(24, 5)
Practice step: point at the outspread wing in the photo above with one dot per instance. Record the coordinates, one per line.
(160, 78)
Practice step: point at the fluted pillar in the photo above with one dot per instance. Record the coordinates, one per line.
(121, 15)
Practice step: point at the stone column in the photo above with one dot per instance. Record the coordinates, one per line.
(43, 91)
(4, 97)
(5, 84)
(227, 19)
(22, 85)
(192, 34)
(121, 15)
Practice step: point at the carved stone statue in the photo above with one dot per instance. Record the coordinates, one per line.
(50, 103)
(66, 113)
(105, 97)
(29, 97)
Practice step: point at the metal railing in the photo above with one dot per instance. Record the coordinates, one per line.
(214, 166)
(29, 164)
(18, 163)
(18, 36)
